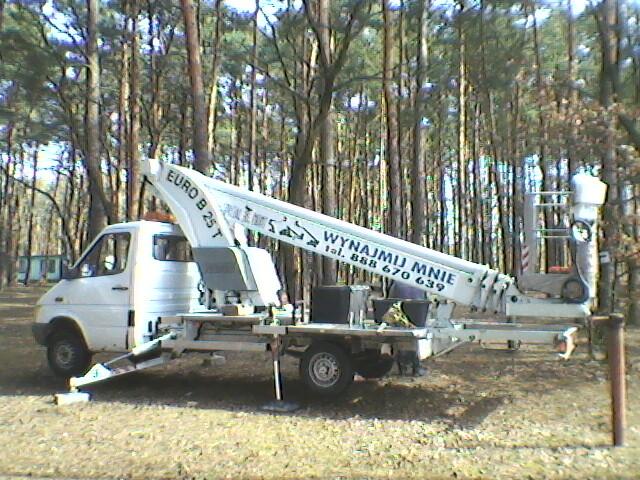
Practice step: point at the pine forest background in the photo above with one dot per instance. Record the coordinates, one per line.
(425, 119)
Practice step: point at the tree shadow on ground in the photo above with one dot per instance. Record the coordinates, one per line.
(391, 398)
(369, 400)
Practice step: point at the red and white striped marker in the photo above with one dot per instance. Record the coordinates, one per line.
(524, 259)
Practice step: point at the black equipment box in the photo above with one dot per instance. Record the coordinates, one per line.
(415, 310)
(337, 303)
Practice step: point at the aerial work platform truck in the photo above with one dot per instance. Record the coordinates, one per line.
(153, 291)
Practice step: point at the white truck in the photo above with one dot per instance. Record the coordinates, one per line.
(154, 291)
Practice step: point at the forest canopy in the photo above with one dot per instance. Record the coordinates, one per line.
(428, 120)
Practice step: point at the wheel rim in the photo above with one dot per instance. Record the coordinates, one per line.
(324, 369)
(64, 355)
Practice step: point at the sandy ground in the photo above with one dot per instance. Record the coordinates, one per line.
(478, 414)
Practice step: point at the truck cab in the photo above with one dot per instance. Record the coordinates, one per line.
(111, 299)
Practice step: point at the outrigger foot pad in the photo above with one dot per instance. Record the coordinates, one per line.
(71, 397)
(280, 406)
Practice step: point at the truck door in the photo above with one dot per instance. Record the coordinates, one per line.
(166, 280)
(100, 291)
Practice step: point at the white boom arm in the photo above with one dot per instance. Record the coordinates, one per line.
(211, 213)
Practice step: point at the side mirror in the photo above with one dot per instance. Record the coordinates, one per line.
(67, 273)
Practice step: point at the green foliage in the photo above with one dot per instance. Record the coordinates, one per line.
(25, 70)
(522, 98)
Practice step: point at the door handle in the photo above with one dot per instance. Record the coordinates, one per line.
(119, 287)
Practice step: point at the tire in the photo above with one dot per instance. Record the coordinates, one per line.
(574, 290)
(67, 354)
(326, 369)
(374, 365)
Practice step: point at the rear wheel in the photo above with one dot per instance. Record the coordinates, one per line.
(326, 369)
(374, 365)
(67, 354)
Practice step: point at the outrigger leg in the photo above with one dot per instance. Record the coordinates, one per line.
(279, 404)
(103, 371)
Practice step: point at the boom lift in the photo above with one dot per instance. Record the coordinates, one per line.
(214, 217)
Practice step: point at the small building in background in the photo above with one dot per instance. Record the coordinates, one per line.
(46, 268)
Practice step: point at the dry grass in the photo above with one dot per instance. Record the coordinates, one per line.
(479, 414)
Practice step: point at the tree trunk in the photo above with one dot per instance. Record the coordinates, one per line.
(133, 187)
(123, 124)
(100, 208)
(392, 151)
(215, 67)
(238, 152)
(202, 161)
(327, 157)
(548, 182)
(2, 3)
(297, 186)
(184, 134)
(572, 93)
(418, 191)
(253, 100)
(308, 125)
(611, 214)
(478, 190)
(15, 214)
(5, 217)
(32, 207)
(262, 178)
(461, 188)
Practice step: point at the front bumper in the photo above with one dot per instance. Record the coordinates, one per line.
(41, 332)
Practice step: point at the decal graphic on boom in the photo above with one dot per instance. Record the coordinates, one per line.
(192, 192)
(401, 267)
(358, 251)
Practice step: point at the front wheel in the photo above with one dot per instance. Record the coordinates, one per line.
(326, 369)
(67, 354)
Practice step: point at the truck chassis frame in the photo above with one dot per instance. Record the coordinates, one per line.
(211, 332)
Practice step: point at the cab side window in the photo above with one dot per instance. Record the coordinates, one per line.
(107, 257)
(171, 248)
